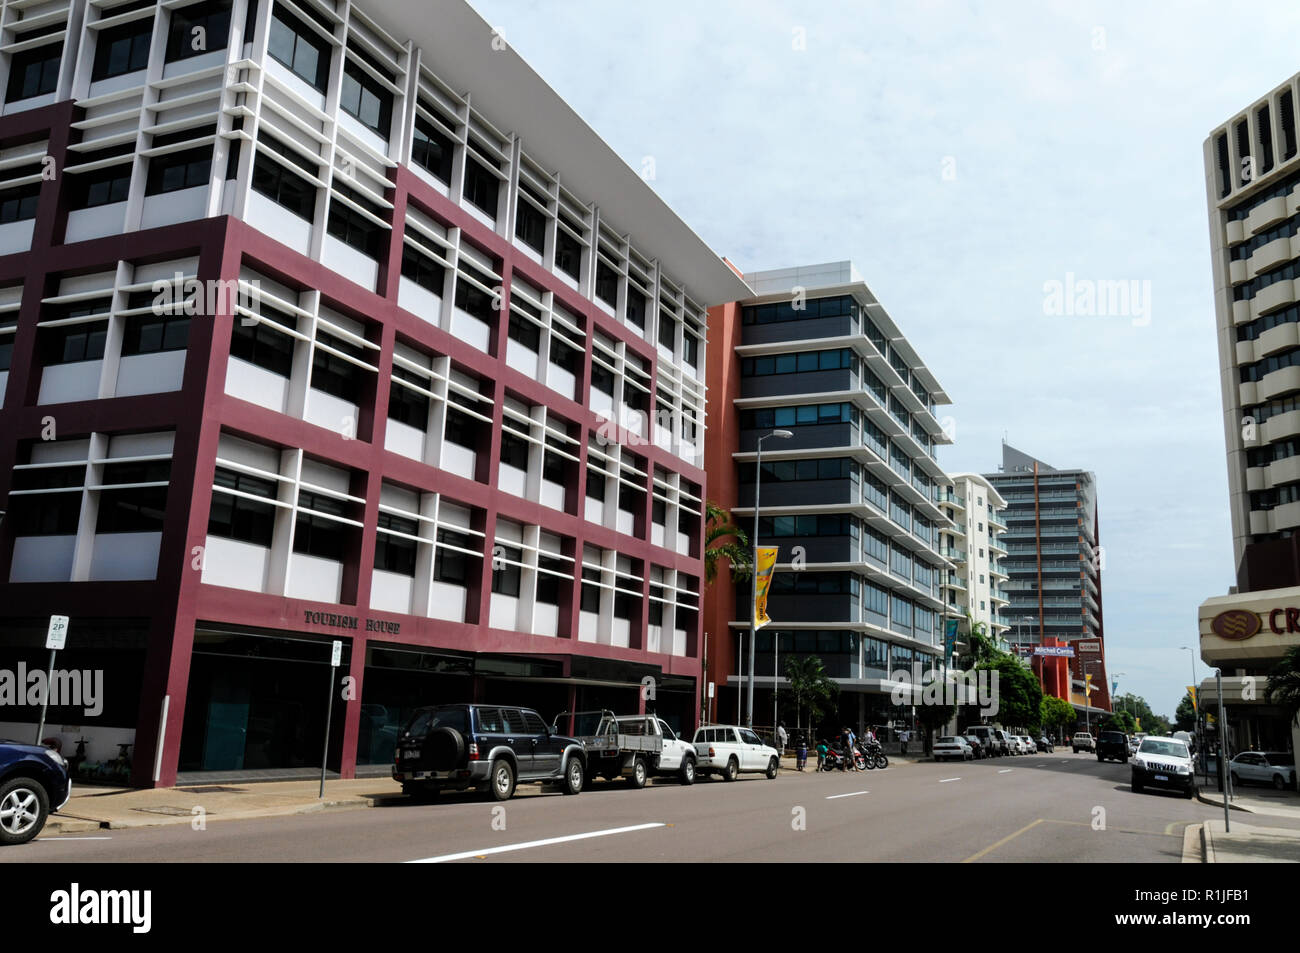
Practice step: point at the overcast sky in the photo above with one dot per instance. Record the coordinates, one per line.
(964, 155)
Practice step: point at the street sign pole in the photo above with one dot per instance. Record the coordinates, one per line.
(1225, 774)
(55, 638)
(335, 657)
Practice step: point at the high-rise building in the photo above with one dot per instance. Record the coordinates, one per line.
(1252, 182)
(1053, 563)
(330, 321)
(851, 499)
(975, 588)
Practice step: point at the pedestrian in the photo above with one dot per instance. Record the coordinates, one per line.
(849, 740)
(781, 737)
(801, 752)
(823, 749)
(903, 737)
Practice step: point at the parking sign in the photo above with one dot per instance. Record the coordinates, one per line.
(58, 633)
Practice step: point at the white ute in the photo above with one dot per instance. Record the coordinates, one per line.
(729, 751)
(629, 746)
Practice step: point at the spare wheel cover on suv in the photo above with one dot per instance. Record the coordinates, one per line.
(443, 748)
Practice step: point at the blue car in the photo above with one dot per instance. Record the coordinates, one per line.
(34, 784)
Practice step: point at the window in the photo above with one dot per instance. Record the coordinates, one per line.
(237, 517)
(198, 29)
(590, 589)
(263, 345)
(18, 205)
(356, 230)
(432, 149)
(422, 269)
(365, 98)
(667, 331)
(602, 379)
(334, 375)
(514, 451)
(481, 186)
(462, 429)
(568, 250)
(596, 484)
(34, 72)
(692, 353)
(300, 48)
(135, 509)
(451, 565)
(407, 406)
(471, 298)
(53, 514)
(636, 305)
(606, 284)
(318, 535)
(155, 333)
(122, 49)
(101, 187)
(7, 329)
(284, 188)
(787, 311)
(505, 574)
(530, 222)
(524, 332)
(393, 553)
(179, 170)
(567, 358)
(76, 342)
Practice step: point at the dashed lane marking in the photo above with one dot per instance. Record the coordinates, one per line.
(547, 842)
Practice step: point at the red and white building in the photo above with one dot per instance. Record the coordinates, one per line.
(322, 321)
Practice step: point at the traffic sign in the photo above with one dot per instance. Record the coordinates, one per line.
(57, 635)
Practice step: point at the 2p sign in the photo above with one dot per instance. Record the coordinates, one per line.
(57, 635)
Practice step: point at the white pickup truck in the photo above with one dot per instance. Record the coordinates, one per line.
(729, 750)
(629, 746)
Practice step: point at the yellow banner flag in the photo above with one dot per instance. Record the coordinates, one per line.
(763, 579)
(1087, 684)
(1191, 690)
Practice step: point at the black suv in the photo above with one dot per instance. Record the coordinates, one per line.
(1112, 744)
(486, 747)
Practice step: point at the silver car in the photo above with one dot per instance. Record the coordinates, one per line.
(1264, 767)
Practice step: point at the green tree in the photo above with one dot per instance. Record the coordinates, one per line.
(1147, 720)
(1058, 716)
(1119, 720)
(723, 540)
(1185, 715)
(811, 689)
(1020, 697)
(1284, 684)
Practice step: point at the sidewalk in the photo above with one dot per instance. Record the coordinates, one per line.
(1255, 801)
(95, 808)
(1248, 844)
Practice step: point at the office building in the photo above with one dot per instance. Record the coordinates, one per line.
(975, 588)
(330, 321)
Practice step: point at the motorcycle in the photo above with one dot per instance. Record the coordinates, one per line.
(836, 760)
(875, 756)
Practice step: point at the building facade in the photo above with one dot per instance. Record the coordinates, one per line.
(975, 588)
(327, 322)
(851, 499)
(1054, 561)
(1252, 182)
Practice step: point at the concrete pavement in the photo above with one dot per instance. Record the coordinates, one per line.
(1249, 844)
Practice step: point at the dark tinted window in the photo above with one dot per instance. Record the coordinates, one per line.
(489, 719)
(34, 72)
(122, 49)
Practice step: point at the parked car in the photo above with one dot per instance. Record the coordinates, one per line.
(1004, 740)
(952, 747)
(1264, 767)
(628, 746)
(1082, 741)
(1112, 745)
(1163, 763)
(978, 748)
(33, 785)
(1045, 745)
(1030, 745)
(489, 748)
(992, 746)
(730, 750)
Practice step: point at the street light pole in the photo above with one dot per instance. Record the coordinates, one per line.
(753, 577)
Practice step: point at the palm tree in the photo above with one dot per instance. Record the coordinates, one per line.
(724, 540)
(1284, 685)
(810, 686)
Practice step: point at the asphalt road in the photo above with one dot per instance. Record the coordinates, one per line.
(1054, 808)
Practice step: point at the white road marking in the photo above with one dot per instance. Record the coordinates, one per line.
(1009, 770)
(851, 794)
(946, 780)
(56, 837)
(483, 852)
